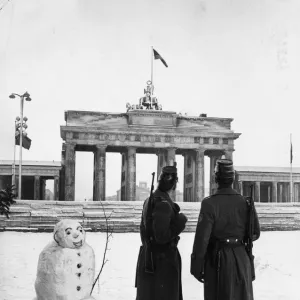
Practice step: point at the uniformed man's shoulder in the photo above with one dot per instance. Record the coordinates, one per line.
(207, 199)
(159, 196)
(161, 201)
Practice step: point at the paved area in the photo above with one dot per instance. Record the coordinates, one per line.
(277, 264)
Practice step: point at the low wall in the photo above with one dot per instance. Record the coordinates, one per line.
(40, 215)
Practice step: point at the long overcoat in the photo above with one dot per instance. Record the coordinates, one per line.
(222, 216)
(167, 224)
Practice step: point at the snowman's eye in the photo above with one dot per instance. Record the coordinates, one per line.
(68, 232)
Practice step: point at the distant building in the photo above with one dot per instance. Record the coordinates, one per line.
(143, 192)
(34, 177)
(270, 184)
(49, 195)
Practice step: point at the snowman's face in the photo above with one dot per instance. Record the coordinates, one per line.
(69, 234)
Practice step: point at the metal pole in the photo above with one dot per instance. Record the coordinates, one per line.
(14, 164)
(291, 173)
(151, 68)
(20, 152)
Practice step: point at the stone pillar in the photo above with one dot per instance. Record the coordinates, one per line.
(296, 194)
(99, 173)
(131, 174)
(70, 172)
(280, 192)
(171, 156)
(257, 191)
(171, 159)
(241, 187)
(212, 183)
(56, 188)
(274, 191)
(161, 161)
(189, 176)
(43, 188)
(199, 175)
(37, 188)
(62, 174)
(284, 192)
(228, 154)
(124, 168)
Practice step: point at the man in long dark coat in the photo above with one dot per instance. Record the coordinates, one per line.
(158, 274)
(219, 258)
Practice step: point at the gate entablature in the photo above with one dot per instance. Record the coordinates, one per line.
(144, 131)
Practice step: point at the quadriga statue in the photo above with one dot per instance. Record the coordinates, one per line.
(66, 266)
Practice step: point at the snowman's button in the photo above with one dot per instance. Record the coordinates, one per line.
(78, 274)
(78, 253)
(78, 266)
(78, 288)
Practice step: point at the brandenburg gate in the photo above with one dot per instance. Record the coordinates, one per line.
(144, 128)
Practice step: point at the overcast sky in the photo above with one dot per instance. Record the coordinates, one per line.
(227, 58)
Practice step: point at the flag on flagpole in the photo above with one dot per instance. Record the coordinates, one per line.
(291, 154)
(26, 141)
(158, 56)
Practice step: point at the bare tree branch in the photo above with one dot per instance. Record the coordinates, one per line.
(109, 231)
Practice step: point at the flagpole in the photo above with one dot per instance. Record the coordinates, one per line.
(151, 70)
(291, 170)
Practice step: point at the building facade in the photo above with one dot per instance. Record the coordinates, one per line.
(163, 133)
(270, 184)
(34, 177)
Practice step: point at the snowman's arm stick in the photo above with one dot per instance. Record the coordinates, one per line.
(109, 232)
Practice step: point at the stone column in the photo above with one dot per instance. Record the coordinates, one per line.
(228, 154)
(199, 175)
(212, 183)
(99, 173)
(161, 161)
(70, 172)
(56, 188)
(274, 191)
(280, 192)
(131, 173)
(171, 159)
(37, 188)
(185, 168)
(171, 156)
(43, 188)
(257, 191)
(124, 168)
(296, 194)
(284, 192)
(62, 174)
(241, 187)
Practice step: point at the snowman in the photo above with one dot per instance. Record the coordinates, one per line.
(66, 266)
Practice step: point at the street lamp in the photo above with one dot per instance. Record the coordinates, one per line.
(25, 96)
(18, 129)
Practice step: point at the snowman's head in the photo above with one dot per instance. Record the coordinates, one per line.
(69, 234)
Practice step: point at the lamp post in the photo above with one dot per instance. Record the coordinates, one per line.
(14, 164)
(25, 96)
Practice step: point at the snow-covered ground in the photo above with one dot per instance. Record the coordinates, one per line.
(277, 265)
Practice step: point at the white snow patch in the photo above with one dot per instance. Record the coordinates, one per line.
(276, 262)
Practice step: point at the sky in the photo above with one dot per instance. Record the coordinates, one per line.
(227, 58)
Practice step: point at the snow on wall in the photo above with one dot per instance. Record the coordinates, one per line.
(37, 215)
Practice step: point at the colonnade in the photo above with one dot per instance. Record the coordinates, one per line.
(271, 191)
(40, 187)
(193, 170)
